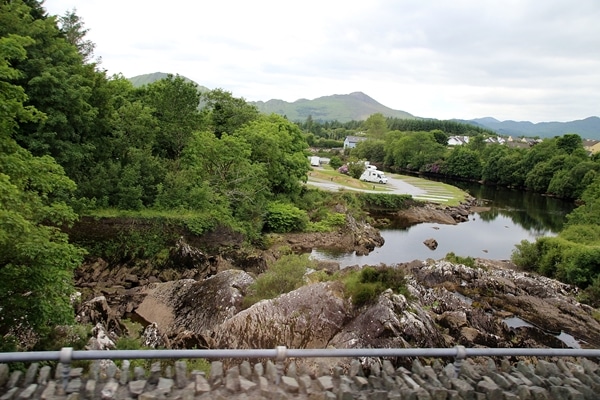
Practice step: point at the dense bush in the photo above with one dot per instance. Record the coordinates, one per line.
(330, 223)
(284, 217)
(364, 286)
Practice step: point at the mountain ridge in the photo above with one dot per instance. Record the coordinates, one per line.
(358, 106)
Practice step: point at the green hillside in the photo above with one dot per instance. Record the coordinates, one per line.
(355, 106)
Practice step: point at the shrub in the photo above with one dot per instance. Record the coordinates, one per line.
(385, 201)
(364, 286)
(284, 217)
(330, 223)
(335, 162)
(285, 275)
(526, 255)
(467, 261)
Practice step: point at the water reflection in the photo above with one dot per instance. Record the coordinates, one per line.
(512, 216)
(488, 238)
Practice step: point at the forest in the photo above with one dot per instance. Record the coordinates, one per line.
(75, 141)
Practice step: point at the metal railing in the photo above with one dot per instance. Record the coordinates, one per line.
(67, 355)
(280, 353)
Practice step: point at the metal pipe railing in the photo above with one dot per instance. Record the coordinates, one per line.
(67, 354)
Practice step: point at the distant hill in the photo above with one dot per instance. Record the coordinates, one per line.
(146, 79)
(355, 106)
(358, 106)
(588, 128)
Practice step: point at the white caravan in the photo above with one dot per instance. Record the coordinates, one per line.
(373, 175)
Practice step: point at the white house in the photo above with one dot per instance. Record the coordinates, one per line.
(351, 141)
(458, 140)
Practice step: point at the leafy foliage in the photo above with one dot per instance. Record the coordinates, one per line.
(36, 260)
(364, 286)
(467, 261)
(285, 217)
(385, 201)
(283, 276)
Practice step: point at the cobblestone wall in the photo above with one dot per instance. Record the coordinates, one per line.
(544, 380)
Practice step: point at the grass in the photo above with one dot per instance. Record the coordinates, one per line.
(330, 175)
(435, 192)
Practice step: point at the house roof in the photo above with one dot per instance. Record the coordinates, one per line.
(355, 139)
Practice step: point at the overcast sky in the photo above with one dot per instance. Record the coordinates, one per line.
(536, 60)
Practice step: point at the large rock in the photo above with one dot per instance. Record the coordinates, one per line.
(187, 310)
(305, 318)
(494, 292)
(392, 321)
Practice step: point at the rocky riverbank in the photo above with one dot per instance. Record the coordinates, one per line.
(490, 305)
(198, 302)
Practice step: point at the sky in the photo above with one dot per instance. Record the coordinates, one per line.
(508, 59)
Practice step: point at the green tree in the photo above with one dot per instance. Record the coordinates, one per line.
(569, 142)
(279, 146)
(463, 163)
(72, 27)
(370, 149)
(413, 150)
(440, 137)
(225, 164)
(57, 83)
(36, 260)
(225, 113)
(376, 125)
(175, 106)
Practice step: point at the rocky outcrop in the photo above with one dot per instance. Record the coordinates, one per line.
(435, 213)
(305, 318)
(494, 292)
(187, 311)
(447, 304)
(357, 236)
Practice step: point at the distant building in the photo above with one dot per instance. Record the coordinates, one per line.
(351, 141)
(592, 146)
(458, 140)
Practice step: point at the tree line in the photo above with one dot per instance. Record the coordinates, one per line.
(74, 140)
(558, 166)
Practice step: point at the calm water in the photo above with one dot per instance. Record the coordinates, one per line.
(513, 216)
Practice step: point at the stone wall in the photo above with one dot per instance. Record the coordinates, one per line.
(563, 379)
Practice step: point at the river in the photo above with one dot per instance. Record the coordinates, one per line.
(512, 216)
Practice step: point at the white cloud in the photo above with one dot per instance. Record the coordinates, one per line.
(517, 59)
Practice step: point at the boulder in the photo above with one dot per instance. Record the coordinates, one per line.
(304, 318)
(431, 243)
(197, 307)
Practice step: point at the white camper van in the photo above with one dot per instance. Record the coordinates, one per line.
(373, 175)
(315, 161)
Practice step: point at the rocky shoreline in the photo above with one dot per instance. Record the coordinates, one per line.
(198, 300)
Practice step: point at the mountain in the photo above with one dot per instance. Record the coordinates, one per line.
(358, 106)
(141, 80)
(588, 128)
(355, 106)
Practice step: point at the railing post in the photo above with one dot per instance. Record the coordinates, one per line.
(66, 356)
(281, 356)
(461, 354)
